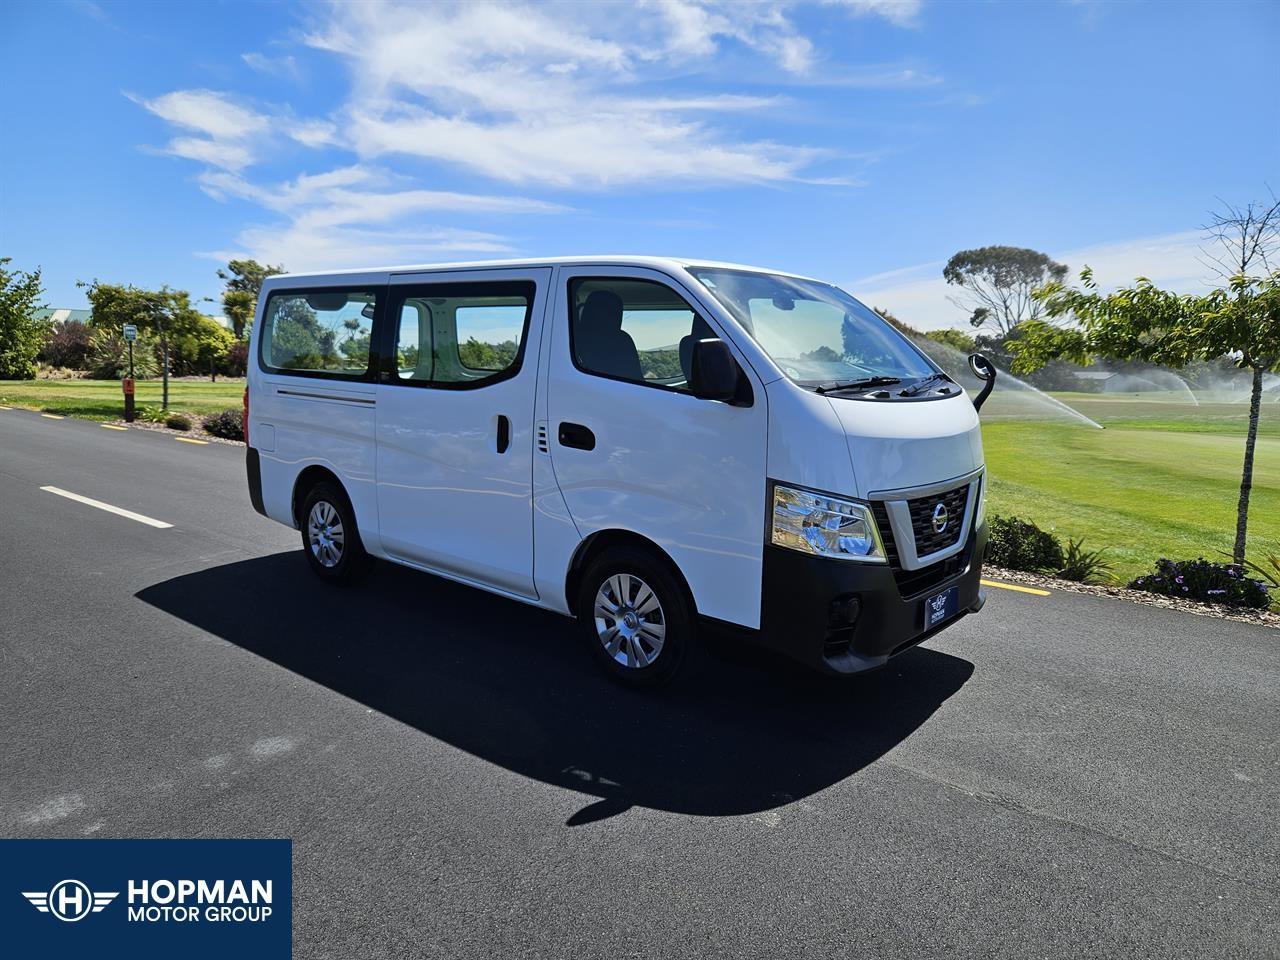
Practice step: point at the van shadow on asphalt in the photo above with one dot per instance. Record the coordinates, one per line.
(511, 684)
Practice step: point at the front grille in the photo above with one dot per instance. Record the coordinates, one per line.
(929, 540)
(912, 583)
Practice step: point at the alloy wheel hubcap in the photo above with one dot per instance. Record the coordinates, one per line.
(629, 621)
(325, 534)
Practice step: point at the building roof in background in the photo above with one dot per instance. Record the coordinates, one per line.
(62, 314)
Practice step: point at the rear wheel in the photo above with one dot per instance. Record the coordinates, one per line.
(330, 536)
(637, 618)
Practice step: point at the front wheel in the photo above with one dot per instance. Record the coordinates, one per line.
(637, 618)
(330, 536)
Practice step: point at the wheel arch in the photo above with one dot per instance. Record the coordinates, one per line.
(307, 479)
(602, 540)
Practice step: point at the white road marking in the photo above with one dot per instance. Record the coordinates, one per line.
(118, 511)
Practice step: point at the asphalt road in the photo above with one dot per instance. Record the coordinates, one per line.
(1060, 776)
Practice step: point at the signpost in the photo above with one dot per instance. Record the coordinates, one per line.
(130, 335)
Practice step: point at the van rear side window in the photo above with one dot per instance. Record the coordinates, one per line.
(460, 335)
(322, 333)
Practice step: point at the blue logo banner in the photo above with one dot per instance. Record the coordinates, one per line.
(147, 898)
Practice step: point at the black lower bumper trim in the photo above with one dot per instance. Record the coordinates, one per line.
(253, 468)
(805, 602)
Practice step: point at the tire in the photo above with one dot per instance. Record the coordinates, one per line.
(330, 538)
(646, 644)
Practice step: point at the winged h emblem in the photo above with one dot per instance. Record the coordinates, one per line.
(70, 900)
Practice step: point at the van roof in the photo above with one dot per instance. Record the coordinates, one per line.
(622, 260)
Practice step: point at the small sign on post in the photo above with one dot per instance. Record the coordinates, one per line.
(130, 335)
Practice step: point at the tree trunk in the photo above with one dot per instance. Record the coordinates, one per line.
(1246, 476)
(164, 348)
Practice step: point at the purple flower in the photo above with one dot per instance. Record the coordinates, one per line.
(1177, 579)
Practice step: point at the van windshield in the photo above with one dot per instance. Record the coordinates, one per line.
(815, 332)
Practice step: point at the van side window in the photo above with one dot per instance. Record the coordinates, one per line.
(321, 332)
(637, 330)
(460, 335)
(413, 345)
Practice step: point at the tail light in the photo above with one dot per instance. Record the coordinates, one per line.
(245, 419)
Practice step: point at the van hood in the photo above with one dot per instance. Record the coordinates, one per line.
(900, 443)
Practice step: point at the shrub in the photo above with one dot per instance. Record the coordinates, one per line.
(150, 414)
(236, 359)
(59, 373)
(177, 421)
(1021, 545)
(229, 424)
(68, 346)
(109, 357)
(1205, 582)
(1084, 566)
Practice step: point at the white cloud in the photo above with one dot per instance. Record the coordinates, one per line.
(900, 12)
(226, 130)
(563, 94)
(208, 112)
(555, 93)
(303, 249)
(352, 215)
(919, 295)
(285, 66)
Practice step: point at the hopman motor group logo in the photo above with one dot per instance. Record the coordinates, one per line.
(70, 900)
(162, 901)
(109, 899)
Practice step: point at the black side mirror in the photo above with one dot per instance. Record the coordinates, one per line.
(984, 370)
(714, 374)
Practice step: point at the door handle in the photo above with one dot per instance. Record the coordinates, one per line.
(504, 433)
(577, 436)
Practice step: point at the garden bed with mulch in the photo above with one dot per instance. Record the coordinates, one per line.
(196, 432)
(1264, 618)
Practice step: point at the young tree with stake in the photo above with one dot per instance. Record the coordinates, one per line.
(1142, 322)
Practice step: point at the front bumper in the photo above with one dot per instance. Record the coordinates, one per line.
(845, 617)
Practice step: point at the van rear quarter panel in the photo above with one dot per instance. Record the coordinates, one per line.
(300, 421)
(311, 429)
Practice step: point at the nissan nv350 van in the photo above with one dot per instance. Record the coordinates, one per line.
(644, 444)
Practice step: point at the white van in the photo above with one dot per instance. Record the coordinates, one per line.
(643, 443)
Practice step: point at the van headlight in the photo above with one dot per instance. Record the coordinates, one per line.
(825, 526)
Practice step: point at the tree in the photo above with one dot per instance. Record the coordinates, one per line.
(68, 346)
(998, 283)
(1144, 323)
(247, 276)
(239, 305)
(187, 340)
(955, 339)
(22, 332)
(244, 286)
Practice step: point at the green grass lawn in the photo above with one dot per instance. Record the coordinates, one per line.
(103, 399)
(1161, 480)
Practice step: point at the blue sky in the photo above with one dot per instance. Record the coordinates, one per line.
(862, 141)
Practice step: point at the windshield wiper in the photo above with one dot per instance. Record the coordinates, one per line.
(856, 384)
(920, 385)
